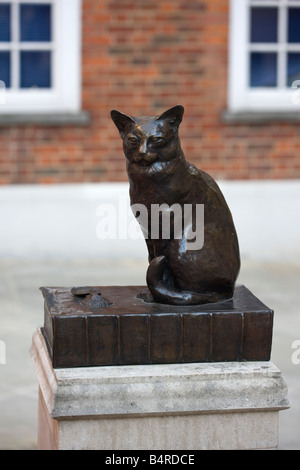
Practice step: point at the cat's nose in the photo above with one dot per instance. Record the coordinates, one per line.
(143, 149)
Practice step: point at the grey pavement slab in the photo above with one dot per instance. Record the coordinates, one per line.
(21, 311)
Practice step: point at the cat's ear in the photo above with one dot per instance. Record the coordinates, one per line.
(173, 116)
(122, 121)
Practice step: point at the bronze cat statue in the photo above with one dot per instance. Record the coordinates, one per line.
(160, 176)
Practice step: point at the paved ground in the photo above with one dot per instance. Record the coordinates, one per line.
(21, 310)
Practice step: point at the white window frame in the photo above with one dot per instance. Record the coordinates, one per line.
(65, 93)
(242, 98)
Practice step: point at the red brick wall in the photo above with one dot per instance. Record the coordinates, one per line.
(143, 57)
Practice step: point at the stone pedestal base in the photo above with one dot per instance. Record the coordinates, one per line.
(159, 406)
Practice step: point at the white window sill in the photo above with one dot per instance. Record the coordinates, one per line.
(81, 118)
(259, 117)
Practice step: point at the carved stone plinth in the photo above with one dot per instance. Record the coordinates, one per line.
(130, 331)
(232, 405)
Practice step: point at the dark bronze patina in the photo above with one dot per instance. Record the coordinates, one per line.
(91, 297)
(131, 331)
(191, 311)
(159, 174)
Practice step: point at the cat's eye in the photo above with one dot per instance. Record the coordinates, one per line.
(157, 140)
(133, 141)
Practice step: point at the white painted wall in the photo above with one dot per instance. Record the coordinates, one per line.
(61, 220)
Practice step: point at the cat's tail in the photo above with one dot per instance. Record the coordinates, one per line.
(166, 295)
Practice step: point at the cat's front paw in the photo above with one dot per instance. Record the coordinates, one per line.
(146, 296)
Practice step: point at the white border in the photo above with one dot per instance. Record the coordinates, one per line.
(241, 98)
(60, 221)
(66, 93)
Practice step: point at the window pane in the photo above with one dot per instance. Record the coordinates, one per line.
(5, 68)
(35, 22)
(293, 72)
(5, 22)
(35, 69)
(294, 25)
(264, 23)
(263, 69)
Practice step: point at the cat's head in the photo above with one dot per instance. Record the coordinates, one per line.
(150, 139)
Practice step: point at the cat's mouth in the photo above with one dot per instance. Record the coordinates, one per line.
(144, 161)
